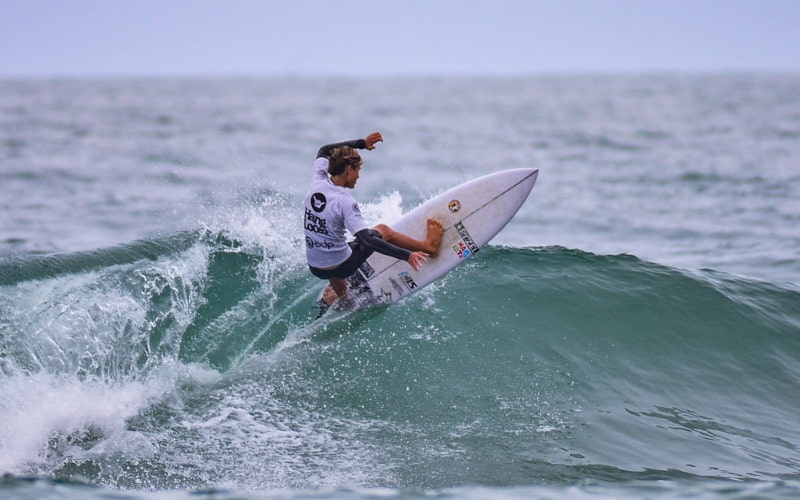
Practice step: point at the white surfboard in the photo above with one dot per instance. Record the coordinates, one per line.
(472, 214)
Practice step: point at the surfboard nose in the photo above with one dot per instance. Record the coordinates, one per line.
(525, 179)
(528, 172)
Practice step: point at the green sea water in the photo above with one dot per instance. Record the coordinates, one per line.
(634, 332)
(171, 365)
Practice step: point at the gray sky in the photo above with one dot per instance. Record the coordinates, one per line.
(394, 37)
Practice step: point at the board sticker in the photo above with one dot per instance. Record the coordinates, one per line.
(396, 286)
(366, 270)
(465, 237)
(408, 280)
(461, 250)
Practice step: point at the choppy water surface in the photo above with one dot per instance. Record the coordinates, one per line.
(635, 331)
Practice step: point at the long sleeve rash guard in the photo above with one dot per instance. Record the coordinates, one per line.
(330, 211)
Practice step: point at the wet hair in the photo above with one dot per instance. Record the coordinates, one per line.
(341, 157)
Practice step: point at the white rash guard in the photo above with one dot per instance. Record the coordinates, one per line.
(329, 211)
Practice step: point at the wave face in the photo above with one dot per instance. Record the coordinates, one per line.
(194, 361)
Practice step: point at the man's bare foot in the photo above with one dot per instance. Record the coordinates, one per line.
(329, 295)
(433, 241)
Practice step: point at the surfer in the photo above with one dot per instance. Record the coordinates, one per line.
(330, 210)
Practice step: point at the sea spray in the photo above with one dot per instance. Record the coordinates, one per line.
(633, 331)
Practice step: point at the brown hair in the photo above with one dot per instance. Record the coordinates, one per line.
(341, 157)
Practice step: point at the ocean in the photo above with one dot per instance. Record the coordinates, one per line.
(634, 332)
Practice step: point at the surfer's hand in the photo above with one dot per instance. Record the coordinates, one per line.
(372, 139)
(416, 259)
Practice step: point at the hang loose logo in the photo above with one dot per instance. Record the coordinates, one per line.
(318, 202)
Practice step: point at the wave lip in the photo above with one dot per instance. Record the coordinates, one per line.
(524, 365)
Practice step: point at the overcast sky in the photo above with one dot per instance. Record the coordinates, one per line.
(394, 37)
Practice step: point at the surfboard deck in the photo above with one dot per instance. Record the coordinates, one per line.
(472, 214)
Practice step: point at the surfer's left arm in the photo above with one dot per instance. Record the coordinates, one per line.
(367, 143)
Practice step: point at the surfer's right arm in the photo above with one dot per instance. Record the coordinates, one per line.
(371, 238)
